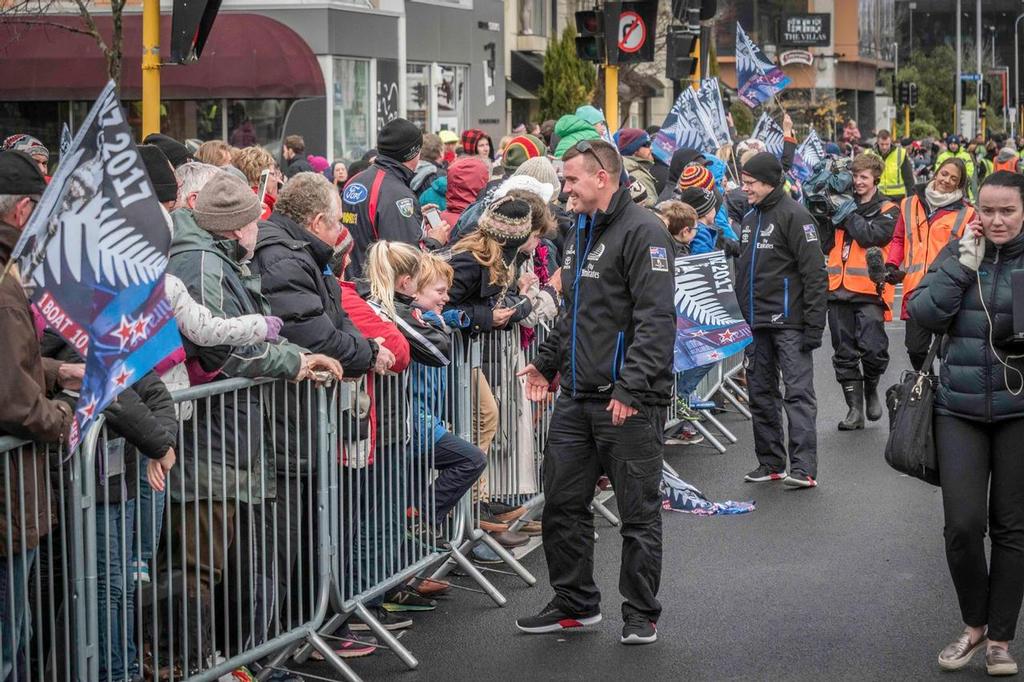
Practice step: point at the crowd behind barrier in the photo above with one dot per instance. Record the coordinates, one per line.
(279, 524)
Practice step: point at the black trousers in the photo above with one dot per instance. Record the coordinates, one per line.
(982, 473)
(859, 342)
(918, 340)
(583, 444)
(774, 352)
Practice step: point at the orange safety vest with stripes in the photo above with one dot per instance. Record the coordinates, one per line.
(851, 273)
(924, 240)
(1008, 165)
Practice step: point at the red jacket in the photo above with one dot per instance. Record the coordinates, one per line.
(466, 178)
(372, 326)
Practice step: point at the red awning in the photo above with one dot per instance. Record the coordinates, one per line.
(248, 56)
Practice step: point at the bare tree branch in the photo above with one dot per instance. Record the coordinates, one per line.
(43, 22)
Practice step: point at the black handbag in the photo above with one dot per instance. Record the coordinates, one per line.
(911, 446)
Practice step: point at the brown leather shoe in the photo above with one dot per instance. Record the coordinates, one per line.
(531, 528)
(959, 652)
(428, 587)
(999, 662)
(510, 516)
(511, 538)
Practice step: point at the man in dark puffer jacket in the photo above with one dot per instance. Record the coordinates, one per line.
(979, 419)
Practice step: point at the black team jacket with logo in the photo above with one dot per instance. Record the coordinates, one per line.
(615, 335)
(781, 281)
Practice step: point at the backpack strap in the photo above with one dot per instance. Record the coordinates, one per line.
(374, 197)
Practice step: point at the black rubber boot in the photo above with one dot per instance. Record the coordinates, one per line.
(853, 391)
(872, 406)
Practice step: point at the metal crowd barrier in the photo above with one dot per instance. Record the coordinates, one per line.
(43, 588)
(291, 509)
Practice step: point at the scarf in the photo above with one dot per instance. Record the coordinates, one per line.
(540, 268)
(937, 200)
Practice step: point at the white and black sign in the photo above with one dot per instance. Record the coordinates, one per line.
(807, 30)
(387, 91)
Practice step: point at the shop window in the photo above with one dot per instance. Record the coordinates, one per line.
(417, 90)
(352, 112)
(256, 121)
(436, 96)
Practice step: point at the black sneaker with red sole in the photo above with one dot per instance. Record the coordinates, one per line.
(554, 619)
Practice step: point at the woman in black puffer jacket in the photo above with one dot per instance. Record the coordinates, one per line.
(979, 419)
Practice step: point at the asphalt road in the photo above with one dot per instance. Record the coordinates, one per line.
(844, 582)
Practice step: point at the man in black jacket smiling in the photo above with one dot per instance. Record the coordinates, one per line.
(781, 285)
(612, 346)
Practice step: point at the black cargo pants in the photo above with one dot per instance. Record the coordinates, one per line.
(859, 342)
(583, 444)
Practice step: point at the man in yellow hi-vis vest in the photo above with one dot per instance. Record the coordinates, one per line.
(897, 179)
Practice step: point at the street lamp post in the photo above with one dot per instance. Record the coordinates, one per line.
(895, 83)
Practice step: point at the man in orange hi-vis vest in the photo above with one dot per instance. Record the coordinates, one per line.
(857, 305)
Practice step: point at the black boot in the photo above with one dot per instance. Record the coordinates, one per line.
(872, 407)
(853, 391)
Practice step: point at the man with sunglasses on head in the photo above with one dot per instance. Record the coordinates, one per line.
(612, 347)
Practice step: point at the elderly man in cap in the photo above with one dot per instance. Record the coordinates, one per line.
(378, 203)
(26, 383)
(782, 288)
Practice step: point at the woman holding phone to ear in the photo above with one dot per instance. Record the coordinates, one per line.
(979, 420)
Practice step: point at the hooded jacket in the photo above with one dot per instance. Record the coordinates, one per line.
(292, 264)
(615, 335)
(570, 129)
(436, 194)
(781, 280)
(1008, 158)
(211, 270)
(640, 170)
(424, 176)
(396, 217)
(466, 178)
(972, 382)
(26, 411)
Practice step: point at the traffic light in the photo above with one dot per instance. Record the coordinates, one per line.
(912, 94)
(904, 94)
(682, 56)
(590, 38)
(984, 92)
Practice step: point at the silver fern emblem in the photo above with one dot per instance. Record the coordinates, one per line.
(88, 229)
(696, 299)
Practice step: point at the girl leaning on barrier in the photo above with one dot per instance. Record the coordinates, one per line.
(979, 419)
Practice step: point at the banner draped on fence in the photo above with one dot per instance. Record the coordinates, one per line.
(769, 132)
(709, 325)
(93, 256)
(758, 79)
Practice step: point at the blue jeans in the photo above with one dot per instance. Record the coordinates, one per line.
(115, 599)
(688, 380)
(15, 615)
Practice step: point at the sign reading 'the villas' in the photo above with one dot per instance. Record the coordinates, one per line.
(807, 30)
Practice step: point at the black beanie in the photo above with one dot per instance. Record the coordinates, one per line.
(400, 140)
(19, 174)
(160, 173)
(764, 167)
(176, 152)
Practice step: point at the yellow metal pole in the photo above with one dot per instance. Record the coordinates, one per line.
(695, 78)
(611, 97)
(983, 121)
(150, 67)
(906, 121)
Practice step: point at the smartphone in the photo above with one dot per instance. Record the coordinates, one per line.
(432, 217)
(264, 179)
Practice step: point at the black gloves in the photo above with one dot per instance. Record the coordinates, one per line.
(893, 275)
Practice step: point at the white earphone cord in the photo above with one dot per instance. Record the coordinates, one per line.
(992, 346)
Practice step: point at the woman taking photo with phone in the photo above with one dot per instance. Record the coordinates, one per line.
(967, 295)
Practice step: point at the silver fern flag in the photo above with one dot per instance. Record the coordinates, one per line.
(709, 325)
(92, 260)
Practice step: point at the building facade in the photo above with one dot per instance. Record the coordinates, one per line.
(332, 70)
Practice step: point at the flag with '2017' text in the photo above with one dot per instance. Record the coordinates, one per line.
(92, 259)
(709, 324)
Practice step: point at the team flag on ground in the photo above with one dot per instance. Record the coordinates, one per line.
(757, 78)
(709, 325)
(93, 256)
(769, 132)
